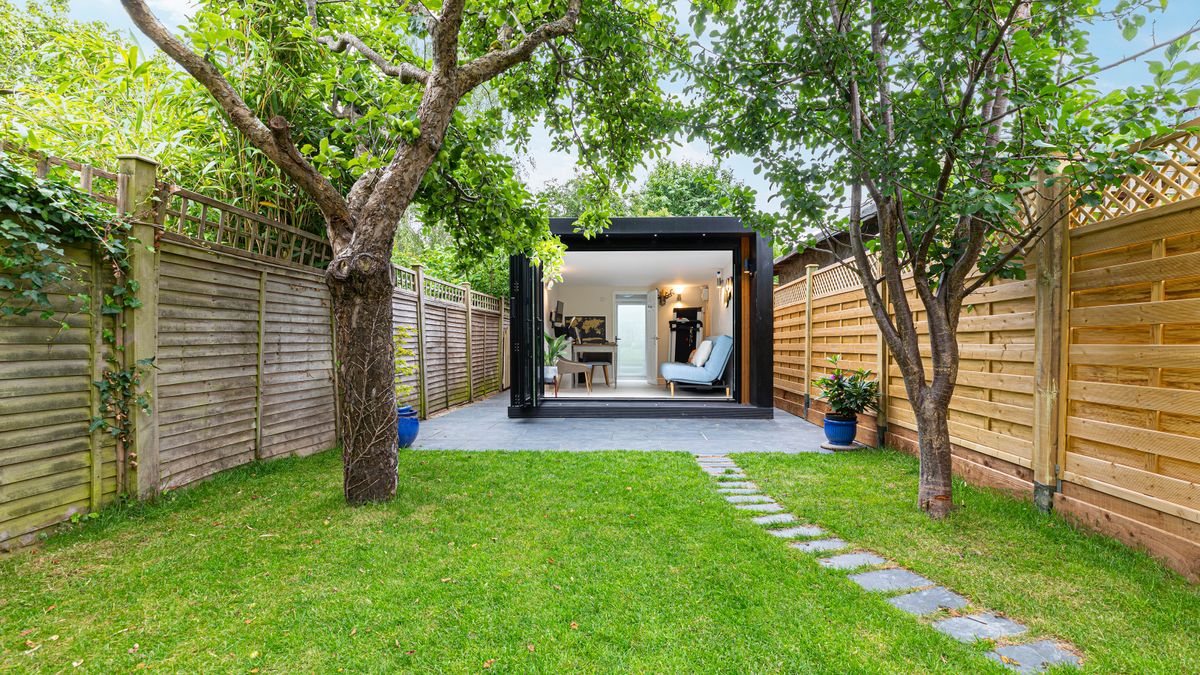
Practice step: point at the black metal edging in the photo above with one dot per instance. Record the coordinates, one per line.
(642, 410)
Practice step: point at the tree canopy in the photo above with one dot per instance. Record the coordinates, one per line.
(968, 125)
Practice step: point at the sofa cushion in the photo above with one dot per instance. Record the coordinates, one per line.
(700, 356)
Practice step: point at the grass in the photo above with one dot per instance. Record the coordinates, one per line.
(1124, 611)
(513, 562)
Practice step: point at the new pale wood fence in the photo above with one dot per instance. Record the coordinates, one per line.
(1081, 383)
(237, 316)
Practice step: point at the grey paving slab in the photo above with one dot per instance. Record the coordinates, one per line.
(736, 485)
(737, 491)
(485, 425)
(774, 519)
(1034, 657)
(797, 531)
(929, 601)
(850, 561)
(769, 507)
(978, 627)
(747, 499)
(731, 477)
(895, 579)
(819, 545)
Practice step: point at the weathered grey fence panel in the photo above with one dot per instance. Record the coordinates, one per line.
(298, 407)
(208, 363)
(404, 317)
(51, 465)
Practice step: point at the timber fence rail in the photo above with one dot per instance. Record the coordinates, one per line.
(237, 316)
(1079, 386)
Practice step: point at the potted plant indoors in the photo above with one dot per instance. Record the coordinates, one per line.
(848, 393)
(555, 348)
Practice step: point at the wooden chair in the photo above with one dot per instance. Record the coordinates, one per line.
(566, 367)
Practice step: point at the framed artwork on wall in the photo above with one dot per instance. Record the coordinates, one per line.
(590, 328)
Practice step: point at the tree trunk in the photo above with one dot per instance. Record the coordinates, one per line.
(934, 494)
(361, 288)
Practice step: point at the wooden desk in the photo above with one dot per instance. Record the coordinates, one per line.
(610, 347)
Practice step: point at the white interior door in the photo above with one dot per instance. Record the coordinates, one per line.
(652, 337)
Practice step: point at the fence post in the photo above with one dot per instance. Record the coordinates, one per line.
(808, 287)
(883, 377)
(136, 185)
(1049, 310)
(422, 388)
(470, 366)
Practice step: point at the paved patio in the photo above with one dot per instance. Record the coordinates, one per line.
(485, 426)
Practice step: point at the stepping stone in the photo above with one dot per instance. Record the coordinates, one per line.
(1034, 657)
(978, 627)
(737, 485)
(718, 471)
(746, 499)
(797, 531)
(819, 545)
(849, 561)
(895, 579)
(929, 601)
(737, 491)
(774, 519)
(769, 507)
(730, 477)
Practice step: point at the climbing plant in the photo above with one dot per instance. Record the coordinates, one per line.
(40, 218)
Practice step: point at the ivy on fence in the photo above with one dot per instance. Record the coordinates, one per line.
(40, 218)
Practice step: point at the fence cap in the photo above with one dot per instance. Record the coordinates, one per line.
(140, 158)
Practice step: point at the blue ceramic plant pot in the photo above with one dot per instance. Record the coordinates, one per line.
(407, 425)
(840, 431)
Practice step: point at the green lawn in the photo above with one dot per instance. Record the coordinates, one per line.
(552, 562)
(1124, 611)
(544, 562)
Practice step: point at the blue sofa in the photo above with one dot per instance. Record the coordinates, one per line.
(707, 375)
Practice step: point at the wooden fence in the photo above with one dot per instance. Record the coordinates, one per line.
(1079, 386)
(237, 317)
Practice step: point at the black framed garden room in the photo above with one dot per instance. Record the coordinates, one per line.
(654, 317)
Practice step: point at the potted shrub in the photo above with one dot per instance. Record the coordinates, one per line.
(408, 423)
(848, 392)
(555, 348)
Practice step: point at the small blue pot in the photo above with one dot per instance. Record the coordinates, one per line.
(407, 425)
(840, 431)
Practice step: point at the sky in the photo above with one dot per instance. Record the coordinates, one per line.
(541, 164)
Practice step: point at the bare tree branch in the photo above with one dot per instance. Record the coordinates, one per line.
(405, 72)
(492, 64)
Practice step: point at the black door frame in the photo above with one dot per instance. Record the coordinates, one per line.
(648, 234)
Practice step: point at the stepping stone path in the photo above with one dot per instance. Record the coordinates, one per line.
(893, 579)
(818, 545)
(746, 499)
(928, 601)
(797, 531)
(774, 519)
(924, 597)
(1034, 657)
(851, 561)
(978, 627)
(769, 507)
